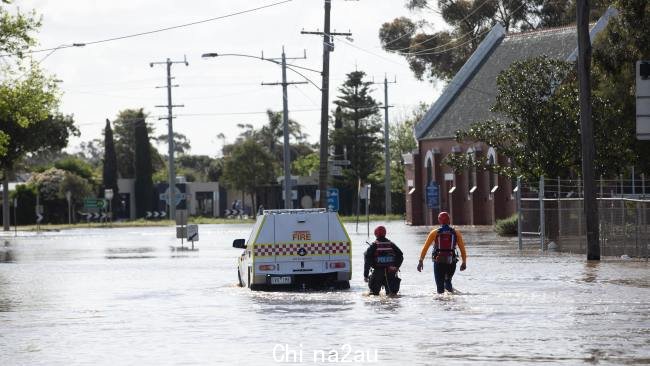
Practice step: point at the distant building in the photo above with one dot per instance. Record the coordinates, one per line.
(474, 197)
(201, 198)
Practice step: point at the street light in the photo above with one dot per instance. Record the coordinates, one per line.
(287, 167)
(64, 45)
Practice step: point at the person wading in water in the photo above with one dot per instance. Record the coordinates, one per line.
(445, 240)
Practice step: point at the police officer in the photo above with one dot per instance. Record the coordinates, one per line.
(445, 240)
(385, 258)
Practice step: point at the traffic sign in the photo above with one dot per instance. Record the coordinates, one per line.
(181, 232)
(155, 214)
(178, 196)
(192, 233)
(433, 195)
(364, 193)
(333, 199)
(228, 212)
(94, 203)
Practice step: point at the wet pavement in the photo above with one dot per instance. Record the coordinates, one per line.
(122, 296)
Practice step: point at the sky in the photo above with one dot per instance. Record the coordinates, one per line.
(101, 79)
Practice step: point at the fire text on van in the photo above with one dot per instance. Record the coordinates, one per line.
(302, 235)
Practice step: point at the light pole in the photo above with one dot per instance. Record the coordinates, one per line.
(68, 197)
(285, 107)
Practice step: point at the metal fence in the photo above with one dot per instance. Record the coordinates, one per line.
(551, 216)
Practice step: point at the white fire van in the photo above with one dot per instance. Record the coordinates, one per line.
(301, 248)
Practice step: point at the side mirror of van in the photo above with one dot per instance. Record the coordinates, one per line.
(239, 243)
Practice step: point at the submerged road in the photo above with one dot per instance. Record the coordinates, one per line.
(121, 296)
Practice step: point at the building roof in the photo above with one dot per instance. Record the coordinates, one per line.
(471, 94)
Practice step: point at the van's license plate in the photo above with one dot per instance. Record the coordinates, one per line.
(284, 280)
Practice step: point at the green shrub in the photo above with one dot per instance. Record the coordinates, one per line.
(507, 226)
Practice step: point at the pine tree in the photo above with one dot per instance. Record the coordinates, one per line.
(109, 173)
(359, 133)
(144, 192)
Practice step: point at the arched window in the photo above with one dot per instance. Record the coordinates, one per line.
(492, 175)
(428, 164)
(471, 171)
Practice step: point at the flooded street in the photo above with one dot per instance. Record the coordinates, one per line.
(121, 296)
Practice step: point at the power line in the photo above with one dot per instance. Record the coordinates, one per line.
(185, 25)
(238, 113)
(210, 114)
(398, 63)
(425, 51)
(370, 52)
(436, 35)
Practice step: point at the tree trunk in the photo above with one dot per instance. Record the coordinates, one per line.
(5, 202)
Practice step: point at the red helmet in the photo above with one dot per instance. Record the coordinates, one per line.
(380, 232)
(443, 218)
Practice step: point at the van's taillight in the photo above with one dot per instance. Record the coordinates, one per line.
(266, 267)
(337, 264)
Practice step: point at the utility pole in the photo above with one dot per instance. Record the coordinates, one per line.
(328, 46)
(288, 202)
(587, 132)
(170, 132)
(387, 178)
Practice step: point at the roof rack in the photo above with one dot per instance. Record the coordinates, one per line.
(294, 211)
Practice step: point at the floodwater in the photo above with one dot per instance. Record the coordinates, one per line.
(122, 297)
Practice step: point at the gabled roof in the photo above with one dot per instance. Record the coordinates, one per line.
(472, 92)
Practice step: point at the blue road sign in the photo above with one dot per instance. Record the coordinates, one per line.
(178, 196)
(433, 195)
(333, 199)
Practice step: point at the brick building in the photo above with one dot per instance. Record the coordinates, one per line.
(474, 197)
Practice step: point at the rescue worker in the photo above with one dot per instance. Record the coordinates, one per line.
(385, 258)
(445, 240)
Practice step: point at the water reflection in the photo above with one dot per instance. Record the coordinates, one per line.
(301, 302)
(7, 254)
(6, 301)
(130, 253)
(590, 274)
(382, 303)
